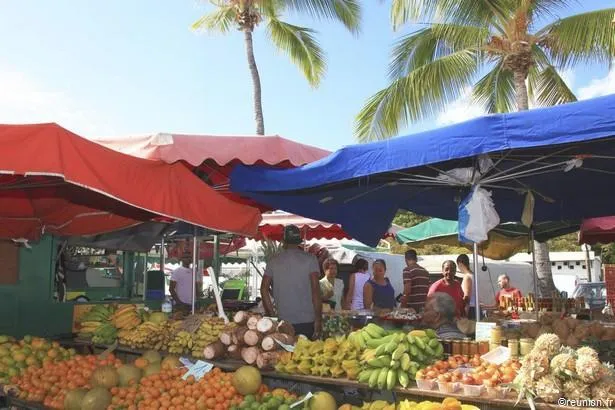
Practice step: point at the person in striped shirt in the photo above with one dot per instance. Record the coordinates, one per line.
(416, 283)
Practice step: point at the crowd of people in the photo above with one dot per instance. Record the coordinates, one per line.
(293, 278)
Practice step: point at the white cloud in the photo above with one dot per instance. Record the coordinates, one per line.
(22, 100)
(598, 87)
(460, 110)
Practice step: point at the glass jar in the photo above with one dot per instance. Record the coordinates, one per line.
(493, 346)
(465, 347)
(473, 348)
(448, 346)
(504, 342)
(456, 347)
(525, 346)
(513, 345)
(483, 347)
(496, 335)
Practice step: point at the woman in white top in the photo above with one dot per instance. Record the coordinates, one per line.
(467, 284)
(331, 288)
(354, 295)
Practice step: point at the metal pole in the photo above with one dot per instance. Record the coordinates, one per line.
(162, 257)
(194, 267)
(532, 241)
(145, 279)
(475, 282)
(216, 259)
(587, 263)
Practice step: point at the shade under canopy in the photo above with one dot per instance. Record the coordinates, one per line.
(563, 155)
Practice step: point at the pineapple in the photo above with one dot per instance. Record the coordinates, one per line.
(549, 389)
(563, 364)
(589, 369)
(575, 389)
(536, 364)
(548, 343)
(604, 390)
(587, 351)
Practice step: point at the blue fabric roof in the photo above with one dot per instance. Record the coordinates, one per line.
(362, 186)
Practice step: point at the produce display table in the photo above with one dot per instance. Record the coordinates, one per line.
(411, 393)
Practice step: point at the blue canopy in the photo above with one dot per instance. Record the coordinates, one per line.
(564, 155)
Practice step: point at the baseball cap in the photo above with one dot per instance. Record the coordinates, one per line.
(292, 235)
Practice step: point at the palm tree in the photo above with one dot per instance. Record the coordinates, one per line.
(492, 46)
(299, 43)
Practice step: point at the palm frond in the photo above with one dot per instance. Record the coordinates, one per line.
(582, 38)
(302, 48)
(429, 44)
(551, 89)
(346, 11)
(496, 90)
(220, 20)
(547, 7)
(419, 95)
(473, 12)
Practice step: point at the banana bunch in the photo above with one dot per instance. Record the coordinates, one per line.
(378, 405)
(92, 320)
(126, 317)
(207, 333)
(141, 336)
(371, 331)
(395, 358)
(106, 333)
(182, 343)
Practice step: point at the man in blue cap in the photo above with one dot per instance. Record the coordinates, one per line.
(293, 275)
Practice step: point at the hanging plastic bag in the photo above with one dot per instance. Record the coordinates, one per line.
(477, 216)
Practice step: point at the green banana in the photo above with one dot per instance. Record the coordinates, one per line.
(429, 351)
(365, 375)
(419, 343)
(403, 378)
(394, 364)
(382, 378)
(366, 336)
(420, 357)
(373, 343)
(410, 339)
(414, 351)
(391, 379)
(439, 350)
(399, 351)
(433, 343)
(380, 361)
(375, 331)
(405, 362)
(380, 350)
(360, 340)
(391, 346)
(373, 378)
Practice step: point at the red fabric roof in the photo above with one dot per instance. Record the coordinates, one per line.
(272, 227)
(213, 157)
(52, 180)
(597, 230)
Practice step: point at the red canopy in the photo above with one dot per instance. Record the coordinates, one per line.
(52, 180)
(213, 157)
(178, 248)
(272, 227)
(597, 230)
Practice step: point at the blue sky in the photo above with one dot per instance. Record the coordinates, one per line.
(119, 67)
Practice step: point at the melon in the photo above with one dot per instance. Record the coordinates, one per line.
(323, 401)
(171, 362)
(153, 368)
(128, 373)
(105, 376)
(98, 398)
(74, 398)
(247, 380)
(158, 317)
(152, 356)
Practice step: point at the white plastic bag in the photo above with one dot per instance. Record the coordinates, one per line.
(477, 216)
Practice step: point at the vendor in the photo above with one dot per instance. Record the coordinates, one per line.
(356, 283)
(293, 275)
(331, 288)
(439, 314)
(506, 291)
(378, 291)
(180, 286)
(467, 285)
(449, 285)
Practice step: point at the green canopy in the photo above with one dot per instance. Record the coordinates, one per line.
(504, 241)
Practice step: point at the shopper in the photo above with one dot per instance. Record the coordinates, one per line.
(439, 314)
(293, 276)
(467, 285)
(449, 285)
(378, 292)
(356, 283)
(331, 288)
(416, 283)
(180, 285)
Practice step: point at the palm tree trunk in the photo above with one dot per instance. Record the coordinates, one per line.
(544, 273)
(256, 83)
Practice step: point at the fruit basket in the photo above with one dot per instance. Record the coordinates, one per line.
(425, 384)
(497, 392)
(448, 387)
(472, 390)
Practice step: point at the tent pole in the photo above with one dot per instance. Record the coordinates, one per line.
(534, 271)
(194, 267)
(162, 257)
(587, 263)
(475, 282)
(216, 259)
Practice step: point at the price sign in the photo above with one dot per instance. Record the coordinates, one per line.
(303, 400)
(286, 347)
(198, 370)
(483, 330)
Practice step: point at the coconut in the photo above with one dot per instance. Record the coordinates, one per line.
(548, 343)
(561, 329)
(597, 330)
(129, 373)
(98, 398)
(549, 389)
(572, 341)
(589, 369)
(575, 389)
(532, 330)
(74, 399)
(582, 332)
(571, 323)
(105, 376)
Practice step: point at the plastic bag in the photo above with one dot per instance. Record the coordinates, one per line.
(477, 216)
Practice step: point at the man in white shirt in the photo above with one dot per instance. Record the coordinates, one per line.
(180, 286)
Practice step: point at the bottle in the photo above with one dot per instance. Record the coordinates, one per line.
(167, 306)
